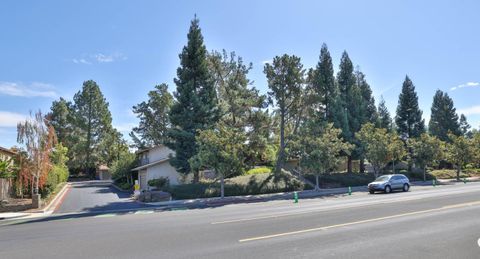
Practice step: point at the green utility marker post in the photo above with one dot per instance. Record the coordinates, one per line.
(295, 197)
(349, 190)
(433, 182)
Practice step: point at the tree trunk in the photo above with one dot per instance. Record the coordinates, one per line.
(317, 185)
(424, 173)
(196, 177)
(393, 166)
(362, 165)
(281, 151)
(222, 187)
(458, 172)
(349, 164)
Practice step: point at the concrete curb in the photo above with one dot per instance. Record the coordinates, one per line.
(57, 198)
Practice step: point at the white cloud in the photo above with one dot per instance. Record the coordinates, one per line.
(99, 58)
(10, 119)
(269, 61)
(34, 89)
(468, 84)
(470, 110)
(81, 61)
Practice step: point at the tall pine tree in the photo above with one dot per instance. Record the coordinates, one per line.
(444, 118)
(464, 126)
(154, 118)
(322, 82)
(92, 123)
(285, 78)
(408, 120)
(384, 119)
(195, 107)
(350, 99)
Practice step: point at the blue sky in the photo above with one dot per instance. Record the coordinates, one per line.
(48, 48)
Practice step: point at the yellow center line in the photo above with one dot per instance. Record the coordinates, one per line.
(358, 222)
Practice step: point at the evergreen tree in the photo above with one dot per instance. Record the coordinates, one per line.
(195, 105)
(92, 124)
(60, 118)
(285, 80)
(384, 119)
(408, 119)
(154, 118)
(241, 105)
(367, 110)
(464, 126)
(350, 99)
(322, 82)
(444, 118)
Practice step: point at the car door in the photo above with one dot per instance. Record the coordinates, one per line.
(396, 182)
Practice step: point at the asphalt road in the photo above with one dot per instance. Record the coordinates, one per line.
(94, 196)
(441, 222)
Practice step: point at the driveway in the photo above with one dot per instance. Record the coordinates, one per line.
(95, 196)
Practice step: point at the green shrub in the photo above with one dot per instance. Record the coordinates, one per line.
(125, 186)
(259, 170)
(240, 185)
(159, 183)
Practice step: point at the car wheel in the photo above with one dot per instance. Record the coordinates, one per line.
(371, 191)
(388, 189)
(406, 187)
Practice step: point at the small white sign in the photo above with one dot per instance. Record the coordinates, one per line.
(478, 242)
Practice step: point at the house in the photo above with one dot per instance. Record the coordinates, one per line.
(6, 155)
(154, 163)
(103, 173)
(7, 152)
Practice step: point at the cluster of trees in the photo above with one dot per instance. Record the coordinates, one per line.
(216, 119)
(84, 127)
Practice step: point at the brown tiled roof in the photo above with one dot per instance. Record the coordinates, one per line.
(103, 168)
(6, 150)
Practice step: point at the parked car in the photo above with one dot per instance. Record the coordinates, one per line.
(389, 182)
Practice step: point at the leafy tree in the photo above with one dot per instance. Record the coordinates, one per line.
(427, 151)
(459, 152)
(220, 149)
(409, 120)
(444, 118)
(285, 78)
(121, 168)
(321, 154)
(39, 140)
(396, 148)
(7, 167)
(93, 123)
(384, 119)
(476, 146)
(464, 126)
(241, 106)
(375, 142)
(111, 147)
(195, 106)
(154, 118)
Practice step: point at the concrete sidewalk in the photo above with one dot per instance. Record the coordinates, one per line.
(35, 213)
(217, 201)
